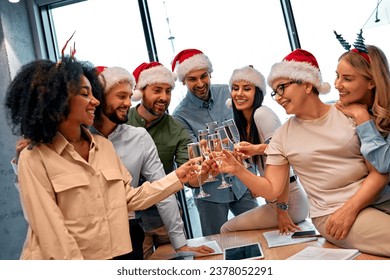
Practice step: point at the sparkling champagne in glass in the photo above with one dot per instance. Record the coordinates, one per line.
(202, 138)
(195, 153)
(211, 126)
(226, 144)
(216, 147)
(234, 135)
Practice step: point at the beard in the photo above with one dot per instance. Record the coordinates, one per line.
(113, 116)
(153, 112)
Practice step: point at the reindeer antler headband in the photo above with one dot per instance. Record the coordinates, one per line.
(359, 45)
(72, 50)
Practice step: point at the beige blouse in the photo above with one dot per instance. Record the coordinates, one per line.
(78, 209)
(325, 153)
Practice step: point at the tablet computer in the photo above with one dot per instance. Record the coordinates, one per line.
(243, 252)
(305, 233)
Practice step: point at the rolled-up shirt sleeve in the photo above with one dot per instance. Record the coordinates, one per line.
(168, 208)
(170, 215)
(374, 147)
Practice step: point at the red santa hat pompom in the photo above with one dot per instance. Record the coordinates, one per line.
(189, 60)
(151, 73)
(299, 65)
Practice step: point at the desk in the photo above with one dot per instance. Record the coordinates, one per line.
(244, 237)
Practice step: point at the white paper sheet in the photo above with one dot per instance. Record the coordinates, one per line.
(319, 253)
(275, 239)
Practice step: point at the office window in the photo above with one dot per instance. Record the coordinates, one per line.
(108, 33)
(231, 33)
(316, 21)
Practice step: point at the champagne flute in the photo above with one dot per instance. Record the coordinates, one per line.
(224, 138)
(234, 136)
(225, 141)
(202, 138)
(216, 147)
(195, 153)
(211, 126)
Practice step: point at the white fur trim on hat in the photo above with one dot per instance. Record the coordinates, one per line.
(137, 95)
(154, 75)
(195, 62)
(249, 74)
(112, 76)
(228, 103)
(299, 71)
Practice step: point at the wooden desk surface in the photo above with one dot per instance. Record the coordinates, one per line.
(244, 237)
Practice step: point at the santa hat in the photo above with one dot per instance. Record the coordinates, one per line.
(151, 73)
(250, 75)
(189, 60)
(111, 76)
(300, 65)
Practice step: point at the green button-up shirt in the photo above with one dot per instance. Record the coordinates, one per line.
(170, 137)
(171, 140)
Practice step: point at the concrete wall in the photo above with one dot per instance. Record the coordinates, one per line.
(16, 49)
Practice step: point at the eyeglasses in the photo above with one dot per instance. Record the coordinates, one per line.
(280, 88)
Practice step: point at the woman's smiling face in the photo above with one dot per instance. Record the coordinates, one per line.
(353, 87)
(82, 104)
(243, 95)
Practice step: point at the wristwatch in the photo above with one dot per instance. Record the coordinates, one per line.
(281, 205)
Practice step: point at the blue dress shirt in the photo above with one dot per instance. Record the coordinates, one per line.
(194, 113)
(374, 147)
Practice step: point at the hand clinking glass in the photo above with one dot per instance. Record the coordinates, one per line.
(195, 154)
(234, 136)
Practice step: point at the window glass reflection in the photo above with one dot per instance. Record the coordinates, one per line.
(231, 33)
(108, 33)
(347, 18)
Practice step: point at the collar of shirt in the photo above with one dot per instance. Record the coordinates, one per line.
(142, 121)
(60, 142)
(94, 130)
(200, 103)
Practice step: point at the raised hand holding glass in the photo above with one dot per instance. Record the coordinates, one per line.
(195, 155)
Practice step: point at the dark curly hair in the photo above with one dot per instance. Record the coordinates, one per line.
(37, 99)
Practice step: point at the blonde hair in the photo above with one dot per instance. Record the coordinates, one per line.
(377, 71)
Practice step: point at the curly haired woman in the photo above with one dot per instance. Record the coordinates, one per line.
(74, 189)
